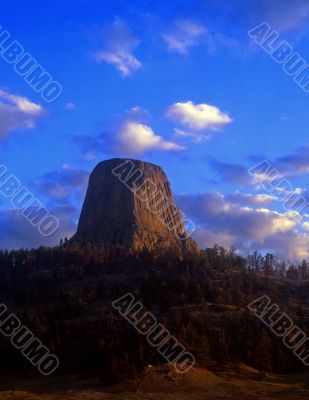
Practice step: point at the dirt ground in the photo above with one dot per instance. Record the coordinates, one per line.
(162, 383)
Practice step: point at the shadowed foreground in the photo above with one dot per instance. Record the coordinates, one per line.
(164, 384)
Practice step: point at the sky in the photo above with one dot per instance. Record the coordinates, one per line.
(180, 84)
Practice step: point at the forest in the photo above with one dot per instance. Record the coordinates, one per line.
(64, 295)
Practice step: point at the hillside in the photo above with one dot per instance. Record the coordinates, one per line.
(65, 294)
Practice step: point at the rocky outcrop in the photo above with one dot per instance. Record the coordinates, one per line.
(130, 202)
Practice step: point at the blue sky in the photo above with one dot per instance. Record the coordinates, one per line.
(177, 83)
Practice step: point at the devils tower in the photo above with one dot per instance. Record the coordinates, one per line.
(130, 203)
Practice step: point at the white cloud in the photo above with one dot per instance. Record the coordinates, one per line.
(251, 199)
(306, 226)
(136, 138)
(182, 35)
(70, 106)
(128, 135)
(124, 62)
(284, 14)
(227, 220)
(195, 136)
(198, 117)
(17, 112)
(118, 46)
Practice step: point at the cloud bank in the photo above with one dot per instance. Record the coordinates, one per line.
(246, 223)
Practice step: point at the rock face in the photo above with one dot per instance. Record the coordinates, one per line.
(130, 202)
